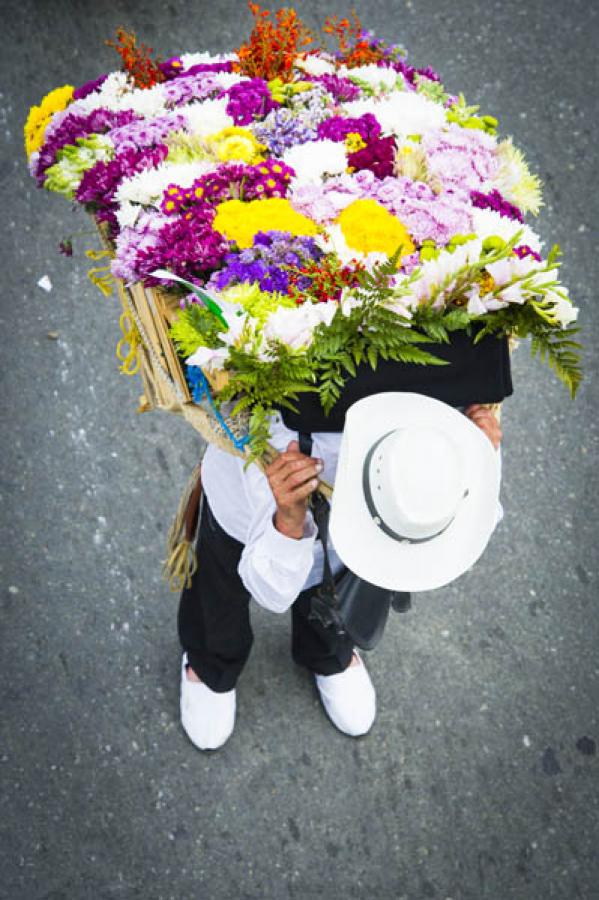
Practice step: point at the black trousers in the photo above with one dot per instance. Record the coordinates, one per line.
(214, 616)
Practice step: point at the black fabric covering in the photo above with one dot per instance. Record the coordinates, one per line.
(478, 373)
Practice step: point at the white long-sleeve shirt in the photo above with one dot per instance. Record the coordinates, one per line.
(274, 568)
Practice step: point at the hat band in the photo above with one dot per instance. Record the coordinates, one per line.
(374, 512)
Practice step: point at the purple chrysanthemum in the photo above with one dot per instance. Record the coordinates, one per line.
(188, 247)
(90, 87)
(74, 126)
(342, 89)
(99, 184)
(148, 132)
(494, 200)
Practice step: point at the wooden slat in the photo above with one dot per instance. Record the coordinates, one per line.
(161, 322)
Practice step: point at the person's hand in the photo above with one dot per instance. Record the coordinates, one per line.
(292, 478)
(486, 421)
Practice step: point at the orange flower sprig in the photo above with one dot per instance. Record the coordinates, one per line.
(273, 44)
(137, 61)
(354, 47)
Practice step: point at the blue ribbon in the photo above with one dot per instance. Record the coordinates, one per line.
(200, 389)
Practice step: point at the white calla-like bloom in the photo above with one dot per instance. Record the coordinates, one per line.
(294, 326)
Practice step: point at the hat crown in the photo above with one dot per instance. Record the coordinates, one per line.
(417, 479)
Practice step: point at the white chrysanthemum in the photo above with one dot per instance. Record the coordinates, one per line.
(488, 223)
(118, 93)
(314, 159)
(147, 187)
(127, 214)
(314, 64)
(208, 117)
(204, 58)
(401, 112)
(147, 102)
(375, 76)
(113, 95)
(228, 79)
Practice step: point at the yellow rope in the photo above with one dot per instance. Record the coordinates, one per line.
(131, 339)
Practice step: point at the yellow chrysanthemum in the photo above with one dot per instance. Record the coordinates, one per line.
(369, 228)
(39, 116)
(236, 143)
(240, 221)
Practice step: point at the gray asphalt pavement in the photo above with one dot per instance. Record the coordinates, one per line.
(480, 778)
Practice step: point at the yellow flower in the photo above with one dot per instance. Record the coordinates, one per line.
(236, 143)
(354, 141)
(240, 221)
(39, 116)
(369, 228)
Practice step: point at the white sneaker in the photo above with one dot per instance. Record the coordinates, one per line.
(208, 718)
(349, 698)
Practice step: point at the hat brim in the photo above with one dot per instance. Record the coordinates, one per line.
(358, 540)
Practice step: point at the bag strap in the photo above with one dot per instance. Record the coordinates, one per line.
(320, 509)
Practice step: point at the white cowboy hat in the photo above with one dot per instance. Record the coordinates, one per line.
(416, 492)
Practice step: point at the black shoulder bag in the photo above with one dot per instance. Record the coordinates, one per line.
(348, 604)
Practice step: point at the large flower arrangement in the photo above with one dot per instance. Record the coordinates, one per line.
(313, 206)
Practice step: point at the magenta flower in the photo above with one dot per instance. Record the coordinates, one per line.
(249, 100)
(378, 157)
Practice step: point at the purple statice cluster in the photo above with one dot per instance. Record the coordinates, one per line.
(342, 89)
(74, 126)
(147, 132)
(188, 88)
(249, 100)
(337, 128)
(463, 159)
(266, 260)
(99, 184)
(313, 106)
(494, 200)
(281, 130)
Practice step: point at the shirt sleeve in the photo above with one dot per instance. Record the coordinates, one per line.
(273, 567)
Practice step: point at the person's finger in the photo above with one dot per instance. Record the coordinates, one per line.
(286, 468)
(296, 472)
(301, 492)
